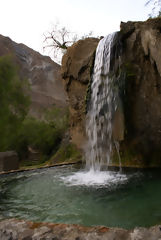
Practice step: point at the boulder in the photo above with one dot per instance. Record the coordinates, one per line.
(8, 161)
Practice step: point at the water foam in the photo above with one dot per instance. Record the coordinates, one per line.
(95, 178)
(99, 124)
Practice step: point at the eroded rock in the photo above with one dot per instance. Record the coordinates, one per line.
(141, 63)
(13, 229)
(77, 64)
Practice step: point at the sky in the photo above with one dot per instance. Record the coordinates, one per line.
(25, 21)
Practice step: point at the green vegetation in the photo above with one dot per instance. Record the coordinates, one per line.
(39, 135)
(19, 131)
(14, 103)
(66, 153)
(129, 158)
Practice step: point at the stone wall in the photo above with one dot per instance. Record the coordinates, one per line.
(8, 161)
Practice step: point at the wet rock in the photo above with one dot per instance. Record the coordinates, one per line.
(118, 126)
(13, 229)
(141, 65)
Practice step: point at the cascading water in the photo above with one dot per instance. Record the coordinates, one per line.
(102, 103)
(101, 108)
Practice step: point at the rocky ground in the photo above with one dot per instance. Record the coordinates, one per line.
(14, 229)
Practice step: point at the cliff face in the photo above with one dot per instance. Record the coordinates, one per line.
(139, 84)
(141, 63)
(41, 72)
(77, 65)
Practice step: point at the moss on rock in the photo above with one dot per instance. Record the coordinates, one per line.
(66, 153)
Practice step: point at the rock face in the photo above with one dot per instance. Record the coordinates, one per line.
(41, 72)
(139, 83)
(19, 229)
(141, 63)
(8, 161)
(77, 65)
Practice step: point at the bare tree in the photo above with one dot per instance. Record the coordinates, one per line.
(156, 7)
(59, 39)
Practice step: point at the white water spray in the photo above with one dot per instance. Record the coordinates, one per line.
(99, 118)
(99, 124)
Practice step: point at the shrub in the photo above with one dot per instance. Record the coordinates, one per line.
(19, 131)
(40, 135)
(14, 103)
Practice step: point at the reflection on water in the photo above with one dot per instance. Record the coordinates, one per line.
(65, 194)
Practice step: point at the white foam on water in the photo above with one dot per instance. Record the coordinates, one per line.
(94, 178)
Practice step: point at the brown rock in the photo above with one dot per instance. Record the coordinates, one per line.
(140, 89)
(127, 28)
(118, 127)
(77, 64)
(141, 60)
(13, 229)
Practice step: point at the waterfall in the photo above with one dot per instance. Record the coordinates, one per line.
(102, 103)
(105, 118)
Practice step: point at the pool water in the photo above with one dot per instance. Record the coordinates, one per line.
(71, 195)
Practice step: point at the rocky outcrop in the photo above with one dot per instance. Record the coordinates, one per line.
(8, 161)
(77, 65)
(46, 85)
(141, 77)
(138, 77)
(19, 229)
